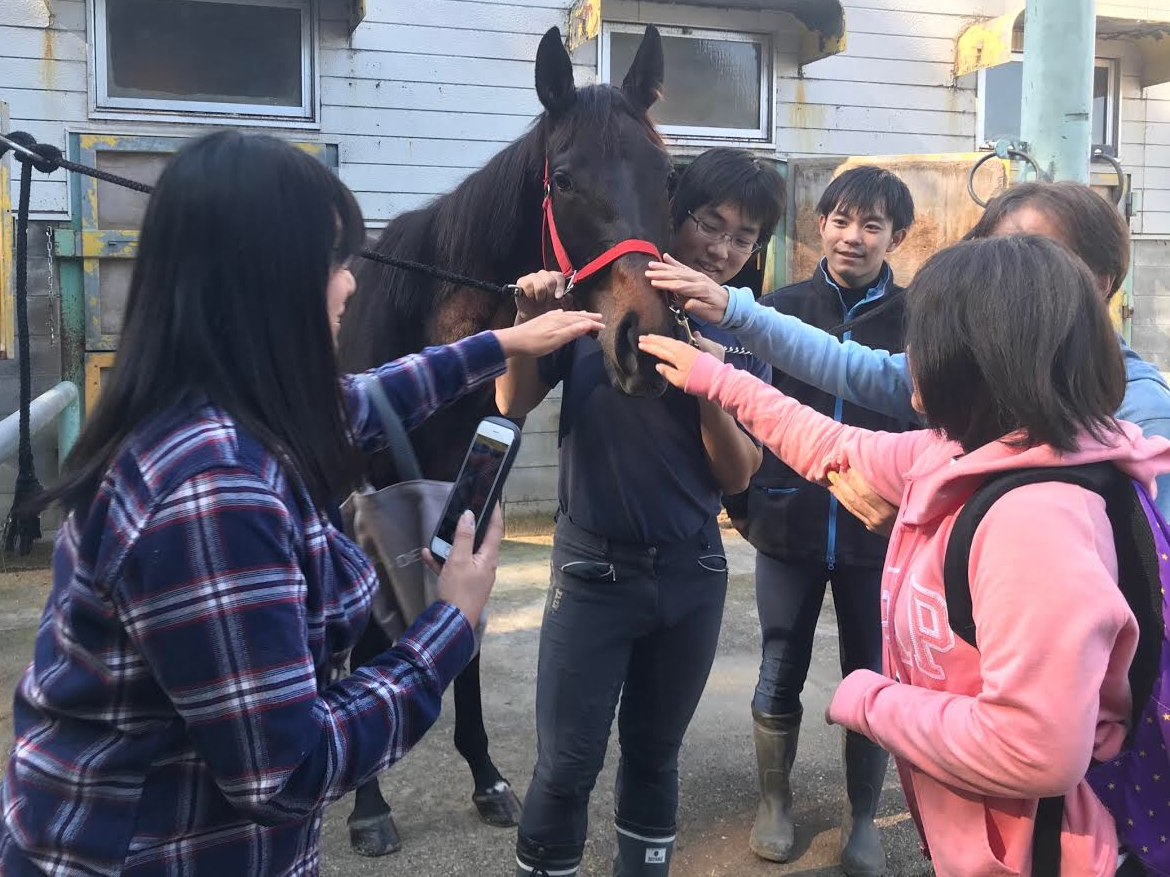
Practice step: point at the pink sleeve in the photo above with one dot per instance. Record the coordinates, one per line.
(1049, 617)
(805, 439)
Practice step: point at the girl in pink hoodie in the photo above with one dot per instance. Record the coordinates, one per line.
(1015, 365)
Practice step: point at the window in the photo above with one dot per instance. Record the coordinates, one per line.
(205, 57)
(718, 83)
(1001, 88)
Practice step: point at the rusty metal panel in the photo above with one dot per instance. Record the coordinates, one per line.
(988, 43)
(820, 23)
(584, 22)
(944, 212)
(992, 41)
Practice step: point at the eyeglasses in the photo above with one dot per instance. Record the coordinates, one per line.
(744, 246)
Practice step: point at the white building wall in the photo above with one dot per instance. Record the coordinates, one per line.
(424, 91)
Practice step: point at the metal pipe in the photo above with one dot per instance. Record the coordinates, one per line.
(1057, 101)
(62, 402)
(18, 149)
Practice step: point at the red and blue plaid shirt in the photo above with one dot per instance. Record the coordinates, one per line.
(177, 717)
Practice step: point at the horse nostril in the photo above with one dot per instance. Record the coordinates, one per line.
(632, 333)
(626, 342)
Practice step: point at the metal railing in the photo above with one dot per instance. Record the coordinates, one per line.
(61, 404)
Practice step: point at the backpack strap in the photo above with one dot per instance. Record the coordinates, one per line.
(1097, 477)
(1139, 580)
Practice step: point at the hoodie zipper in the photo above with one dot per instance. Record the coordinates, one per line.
(839, 403)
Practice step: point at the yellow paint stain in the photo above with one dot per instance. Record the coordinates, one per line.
(987, 43)
(314, 149)
(97, 245)
(802, 115)
(584, 22)
(95, 365)
(90, 194)
(93, 141)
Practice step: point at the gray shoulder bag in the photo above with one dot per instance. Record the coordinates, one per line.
(393, 524)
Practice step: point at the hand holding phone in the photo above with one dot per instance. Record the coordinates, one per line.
(467, 578)
(480, 482)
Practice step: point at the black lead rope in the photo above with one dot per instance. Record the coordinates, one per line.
(23, 527)
(509, 289)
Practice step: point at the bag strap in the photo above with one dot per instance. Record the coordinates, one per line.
(397, 441)
(1097, 477)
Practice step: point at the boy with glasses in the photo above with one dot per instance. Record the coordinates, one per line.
(803, 538)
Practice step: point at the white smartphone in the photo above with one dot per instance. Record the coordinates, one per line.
(480, 482)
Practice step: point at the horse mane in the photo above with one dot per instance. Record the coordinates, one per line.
(487, 227)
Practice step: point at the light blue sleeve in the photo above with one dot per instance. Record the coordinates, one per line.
(1147, 403)
(874, 379)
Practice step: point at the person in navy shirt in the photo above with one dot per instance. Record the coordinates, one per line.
(639, 575)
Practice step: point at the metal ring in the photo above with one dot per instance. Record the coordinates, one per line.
(1122, 182)
(1011, 153)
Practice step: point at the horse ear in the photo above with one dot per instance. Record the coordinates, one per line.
(643, 83)
(554, 74)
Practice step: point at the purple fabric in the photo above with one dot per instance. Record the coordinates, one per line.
(1136, 786)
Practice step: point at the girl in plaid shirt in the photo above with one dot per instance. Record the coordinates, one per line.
(177, 716)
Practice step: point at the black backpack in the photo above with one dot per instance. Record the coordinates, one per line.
(1139, 578)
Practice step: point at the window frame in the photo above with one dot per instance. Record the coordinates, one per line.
(763, 135)
(1112, 144)
(307, 115)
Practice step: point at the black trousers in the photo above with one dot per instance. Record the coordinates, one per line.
(639, 622)
(789, 598)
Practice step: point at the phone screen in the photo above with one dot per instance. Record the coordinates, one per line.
(475, 482)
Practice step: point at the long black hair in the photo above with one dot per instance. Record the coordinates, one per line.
(1010, 335)
(227, 304)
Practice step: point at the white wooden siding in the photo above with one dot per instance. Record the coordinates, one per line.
(424, 91)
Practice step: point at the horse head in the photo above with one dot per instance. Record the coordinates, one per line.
(609, 181)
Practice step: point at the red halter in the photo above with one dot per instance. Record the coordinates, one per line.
(565, 264)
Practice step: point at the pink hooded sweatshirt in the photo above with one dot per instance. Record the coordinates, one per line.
(979, 736)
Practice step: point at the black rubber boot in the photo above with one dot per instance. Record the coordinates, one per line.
(537, 860)
(773, 832)
(865, 772)
(639, 855)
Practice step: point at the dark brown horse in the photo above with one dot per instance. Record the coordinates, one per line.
(610, 179)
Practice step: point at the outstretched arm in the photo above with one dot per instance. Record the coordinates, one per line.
(874, 379)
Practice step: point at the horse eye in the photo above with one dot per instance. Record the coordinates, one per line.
(562, 182)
